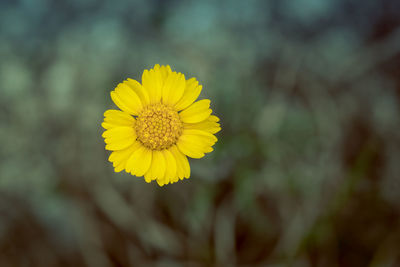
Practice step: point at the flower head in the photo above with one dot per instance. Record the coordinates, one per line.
(159, 126)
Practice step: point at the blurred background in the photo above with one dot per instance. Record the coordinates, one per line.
(306, 170)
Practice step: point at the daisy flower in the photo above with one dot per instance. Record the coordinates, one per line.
(159, 125)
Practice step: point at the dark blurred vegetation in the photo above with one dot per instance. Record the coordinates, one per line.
(306, 170)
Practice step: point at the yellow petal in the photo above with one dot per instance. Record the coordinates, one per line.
(196, 112)
(213, 118)
(194, 143)
(186, 166)
(157, 167)
(148, 176)
(119, 138)
(119, 133)
(160, 182)
(182, 163)
(113, 113)
(207, 138)
(117, 118)
(173, 88)
(170, 171)
(165, 71)
(139, 162)
(126, 99)
(119, 167)
(191, 93)
(107, 126)
(152, 81)
(209, 125)
(179, 168)
(189, 150)
(139, 90)
(120, 157)
(120, 144)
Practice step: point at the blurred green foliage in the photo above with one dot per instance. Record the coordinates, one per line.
(306, 170)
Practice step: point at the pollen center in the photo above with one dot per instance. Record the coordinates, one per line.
(158, 126)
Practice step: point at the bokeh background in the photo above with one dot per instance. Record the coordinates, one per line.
(306, 170)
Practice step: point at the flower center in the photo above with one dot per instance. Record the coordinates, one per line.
(158, 126)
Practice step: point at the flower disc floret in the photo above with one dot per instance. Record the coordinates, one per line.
(158, 126)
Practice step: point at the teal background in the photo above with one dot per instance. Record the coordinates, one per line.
(306, 169)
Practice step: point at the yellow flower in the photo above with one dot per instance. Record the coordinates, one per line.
(159, 126)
